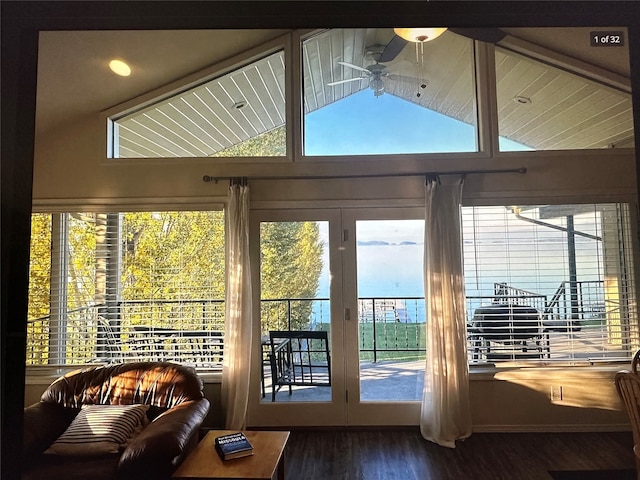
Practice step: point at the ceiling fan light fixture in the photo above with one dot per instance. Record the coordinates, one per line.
(419, 35)
(522, 100)
(120, 68)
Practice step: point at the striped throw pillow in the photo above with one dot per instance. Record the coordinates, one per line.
(99, 429)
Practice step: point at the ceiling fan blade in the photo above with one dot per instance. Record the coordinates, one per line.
(393, 48)
(347, 80)
(356, 67)
(489, 35)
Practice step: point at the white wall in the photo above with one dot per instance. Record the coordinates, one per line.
(70, 164)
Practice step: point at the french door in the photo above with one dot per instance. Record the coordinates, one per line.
(384, 298)
(297, 281)
(354, 276)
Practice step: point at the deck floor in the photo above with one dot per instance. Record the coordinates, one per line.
(381, 381)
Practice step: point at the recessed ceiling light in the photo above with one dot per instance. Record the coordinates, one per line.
(239, 105)
(120, 68)
(522, 100)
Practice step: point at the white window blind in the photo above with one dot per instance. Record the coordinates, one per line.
(133, 286)
(549, 283)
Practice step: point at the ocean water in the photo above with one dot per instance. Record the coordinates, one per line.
(396, 271)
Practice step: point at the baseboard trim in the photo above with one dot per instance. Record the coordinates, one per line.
(476, 428)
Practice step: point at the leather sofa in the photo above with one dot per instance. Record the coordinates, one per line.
(177, 408)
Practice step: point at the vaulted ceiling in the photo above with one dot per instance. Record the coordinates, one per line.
(565, 110)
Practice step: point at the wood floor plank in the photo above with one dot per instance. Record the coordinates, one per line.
(405, 455)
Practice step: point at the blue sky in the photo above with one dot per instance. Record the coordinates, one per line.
(363, 124)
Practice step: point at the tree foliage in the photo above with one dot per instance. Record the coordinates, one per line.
(176, 262)
(291, 263)
(39, 265)
(173, 255)
(39, 287)
(269, 144)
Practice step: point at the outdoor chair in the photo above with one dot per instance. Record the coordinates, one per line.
(299, 358)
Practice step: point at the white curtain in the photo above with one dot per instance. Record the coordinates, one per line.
(237, 338)
(445, 414)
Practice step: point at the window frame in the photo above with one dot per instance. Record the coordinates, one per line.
(479, 76)
(110, 116)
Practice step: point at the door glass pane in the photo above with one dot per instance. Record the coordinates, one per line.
(368, 92)
(391, 309)
(294, 311)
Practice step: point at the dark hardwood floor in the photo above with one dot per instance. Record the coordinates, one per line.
(403, 455)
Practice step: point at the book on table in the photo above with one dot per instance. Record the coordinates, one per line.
(233, 445)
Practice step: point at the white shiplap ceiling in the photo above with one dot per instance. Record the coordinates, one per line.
(211, 117)
(566, 111)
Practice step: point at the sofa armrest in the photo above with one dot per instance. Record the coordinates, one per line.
(44, 422)
(162, 444)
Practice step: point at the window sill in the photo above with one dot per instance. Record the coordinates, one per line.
(211, 378)
(487, 372)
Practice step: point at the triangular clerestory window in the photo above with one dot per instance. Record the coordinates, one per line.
(238, 114)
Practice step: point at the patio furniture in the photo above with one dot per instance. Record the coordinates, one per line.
(197, 347)
(508, 330)
(299, 358)
(265, 360)
(205, 347)
(171, 394)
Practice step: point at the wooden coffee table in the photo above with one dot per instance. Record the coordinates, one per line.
(267, 459)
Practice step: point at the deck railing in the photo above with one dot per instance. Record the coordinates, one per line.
(388, 328)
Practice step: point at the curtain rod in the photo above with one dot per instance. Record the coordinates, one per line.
(209, 178)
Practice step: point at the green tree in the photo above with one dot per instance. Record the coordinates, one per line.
(81, 285)
(171, 256)
(39, 266)
(39, 288)
(290, 267)
(268, 144)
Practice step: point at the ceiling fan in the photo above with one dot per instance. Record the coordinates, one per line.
(375, 74)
